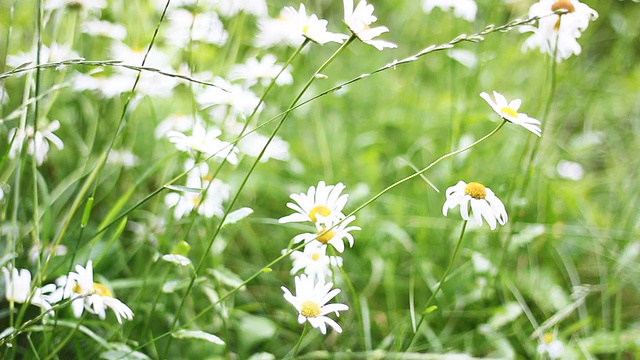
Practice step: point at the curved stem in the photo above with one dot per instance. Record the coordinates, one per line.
(304, 332)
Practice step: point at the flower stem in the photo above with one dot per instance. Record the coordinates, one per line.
(294, 352)
(428, 309)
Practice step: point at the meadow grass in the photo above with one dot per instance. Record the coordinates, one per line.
(389, 125)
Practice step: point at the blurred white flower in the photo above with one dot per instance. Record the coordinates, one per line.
(183, 26)
(209, 204)
(312, 27)
(358, 21)
(53, 53)
(254, 70)
(551, 346)
(464, 57)
(328, 236)
(85, 5)
(322, 205)
(230, 8)
(311, 302)
(4, 96)
(509, 112)
(314, 261)
(465, 9)
(181, 123)
(89, 295)
(124, 158)
(253, 144)
(204, 141)
(179, 260)
(282, 30)
(36, 249)
(94, 27)
(37, 141)
(484, 203)
(18, 288)
(107, 87)
(570, 170)
(228, 100)
(558, 34)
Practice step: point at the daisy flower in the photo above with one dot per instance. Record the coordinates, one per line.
(254, 143)
(104, 28)
(282, 30)
(254, 70)
(204, 141)
(183, 26)
(311, 27)
(311, 302)
(509, 112)
(18, 288)
(551, 346)
(314, 261)
(89, 295)
(319, 205)
(37, 141)
(358, 21)
(334, 236)
(465, 9)
(484, 203)
(228, 100)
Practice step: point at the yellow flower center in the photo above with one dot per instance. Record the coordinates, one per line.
(309, 309)
(509, 111)
(548, 338)
(315, 256)
(320, 209)
(305, 29)
(101, 290)
(324, 236)
(196, 200)
(563, 4)
(475, 190)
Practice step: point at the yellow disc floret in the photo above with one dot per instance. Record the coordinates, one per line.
(101, 290)
(321, 210)
(509, 111)
(309, 309)
(475, 190)
(325, 235)
(315, 256)
(548, 338)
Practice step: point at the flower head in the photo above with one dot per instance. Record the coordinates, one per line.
(321, 205)
(358, 21)
(311, 302)
(204, 141)
(89, 295)
(311, 27)
(264, 71)
(18, 288)
(509, 112)
(484, 203)
(328, 234)
(37, 141)
(314, 261)
(551, 346)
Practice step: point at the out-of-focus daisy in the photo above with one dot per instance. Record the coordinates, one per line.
(323, 204)
(509, 112)
(334, 237)
(484, 203)
(311, 27)
(204, 141)
(228, 100)
(311, 302)
(279, 31)
(55, 52)
(465, 9)
(314, 261)
(183, 26)
(124, 158)
(84, 5)
(230, 8)
(253, 144)
(36, 250)
(4, 96)
(37, 141)
(106, 86)
(94, 27)
(209, 204)
(18, 288)
(570, 170)
(464, 57)
(181, 123)
(557, 34)
(254, 70)
(550, 346)
(358, 21)
(89, 295)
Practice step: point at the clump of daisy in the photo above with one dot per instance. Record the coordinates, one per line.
(358, 21)
(550, 346)
(557, 34)
(88, 295)
(311, 302)
(465, 9)
(18, 288)
(37, 141)
(509, 111)
(483, 202)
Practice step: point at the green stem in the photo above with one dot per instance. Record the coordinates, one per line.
(427, 309)
(297, 347)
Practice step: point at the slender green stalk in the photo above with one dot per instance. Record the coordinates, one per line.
(427, 308)
(305, 330)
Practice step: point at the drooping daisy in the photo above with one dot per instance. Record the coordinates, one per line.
(314, 261)
(18, 288)
(335, 236)
(89, 295)
(323, 204)
(509, 112)
(311, 27)
(358, 21)
(551, 346)
(484, 203)
(465, 9)
(254, 70)
(311, 302)
(37, 141)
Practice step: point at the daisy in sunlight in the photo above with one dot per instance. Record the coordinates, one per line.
(509, 111)
(484, 203)
(321, 205)
(358, 21)
(311, 302)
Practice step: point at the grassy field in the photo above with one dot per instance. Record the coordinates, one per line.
(147, 190)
